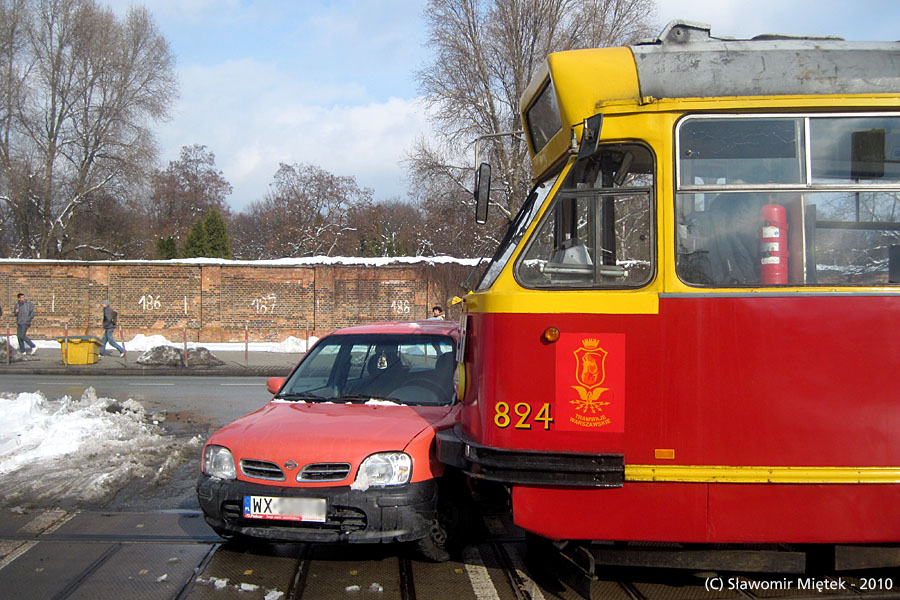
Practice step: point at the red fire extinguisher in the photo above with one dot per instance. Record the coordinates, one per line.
(773, 244)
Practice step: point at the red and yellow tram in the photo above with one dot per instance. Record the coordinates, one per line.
(687, 334)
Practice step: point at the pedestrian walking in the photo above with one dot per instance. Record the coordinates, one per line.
(24, 313)
(109, 328)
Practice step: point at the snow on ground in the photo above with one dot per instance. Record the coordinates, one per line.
(142, 343)
(71, 451)
(75, 451)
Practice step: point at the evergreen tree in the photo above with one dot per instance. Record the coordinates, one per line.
(369, 248)
(166, 248)
(218, 243)
(196, 243)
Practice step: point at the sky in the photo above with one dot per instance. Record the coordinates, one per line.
(332, 82)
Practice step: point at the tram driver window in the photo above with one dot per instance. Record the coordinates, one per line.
(597, 232)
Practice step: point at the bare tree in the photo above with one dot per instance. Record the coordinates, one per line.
(187, 190)
(79, 90)
(105, 229)
(390, 228)
(304, 214)
(485, 54)
(250, 233)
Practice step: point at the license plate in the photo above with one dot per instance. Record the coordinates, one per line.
(285, 509)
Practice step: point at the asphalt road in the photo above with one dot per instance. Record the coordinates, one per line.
(210, 401)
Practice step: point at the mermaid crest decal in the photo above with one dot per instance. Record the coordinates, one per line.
(594, 369)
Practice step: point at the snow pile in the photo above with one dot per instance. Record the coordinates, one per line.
(16, 356)
(292, 345)
(72, 451)
(142, 343)
(166, 356)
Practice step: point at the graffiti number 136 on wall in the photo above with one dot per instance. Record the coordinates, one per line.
(149, 302)
(400, 307)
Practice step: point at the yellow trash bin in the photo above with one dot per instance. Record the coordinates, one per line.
(83, 350)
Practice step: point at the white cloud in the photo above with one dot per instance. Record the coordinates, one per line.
(329, 82)
(253, 116)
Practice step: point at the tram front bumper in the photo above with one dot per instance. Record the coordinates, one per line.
(530, 467)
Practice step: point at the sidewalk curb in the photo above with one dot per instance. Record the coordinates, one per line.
(236, 364)
(144, 371)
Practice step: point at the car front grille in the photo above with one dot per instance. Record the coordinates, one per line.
(261, 469)
(264, 469)
(324, 472)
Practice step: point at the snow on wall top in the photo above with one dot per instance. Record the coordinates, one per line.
(280, 262)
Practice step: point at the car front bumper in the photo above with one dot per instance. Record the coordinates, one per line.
(393, 514)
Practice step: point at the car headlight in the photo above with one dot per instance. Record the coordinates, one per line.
(219, 462)
(384, 468)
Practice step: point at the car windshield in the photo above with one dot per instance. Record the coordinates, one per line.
(400, 368)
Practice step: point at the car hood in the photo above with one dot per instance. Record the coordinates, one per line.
(323, 432)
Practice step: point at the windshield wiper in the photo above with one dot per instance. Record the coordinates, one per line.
(298, 396)
(366, 398)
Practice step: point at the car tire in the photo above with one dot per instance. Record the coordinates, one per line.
(434, 547)
(231, 537)
(445, 537)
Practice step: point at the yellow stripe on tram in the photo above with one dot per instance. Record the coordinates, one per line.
(738, 474)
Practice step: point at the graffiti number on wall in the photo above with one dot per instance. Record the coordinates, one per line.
(264, 304)
(400, 307)
(149, 302)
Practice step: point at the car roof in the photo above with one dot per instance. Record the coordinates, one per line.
(425, 327)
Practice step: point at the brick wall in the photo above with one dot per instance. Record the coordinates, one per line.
(216, 301)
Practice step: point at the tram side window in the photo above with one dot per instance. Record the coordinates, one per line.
(853, 238)
(755, 214)
(598, 231)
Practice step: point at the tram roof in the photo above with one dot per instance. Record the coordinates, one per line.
(685, 61)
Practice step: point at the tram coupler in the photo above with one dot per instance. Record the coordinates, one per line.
(568, 562)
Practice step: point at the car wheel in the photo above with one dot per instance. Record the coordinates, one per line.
(434, 547)
(231, 537)
(447, 528)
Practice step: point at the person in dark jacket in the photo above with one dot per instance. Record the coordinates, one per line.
(109, 329)
(24, 313)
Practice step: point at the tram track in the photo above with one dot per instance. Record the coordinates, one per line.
(174, 557)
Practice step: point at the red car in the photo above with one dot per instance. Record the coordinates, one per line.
(345, 450)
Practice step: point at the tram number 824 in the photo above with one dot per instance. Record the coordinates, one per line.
(523, 410)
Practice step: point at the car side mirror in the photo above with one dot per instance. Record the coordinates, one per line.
(274, 384)
(482, 192)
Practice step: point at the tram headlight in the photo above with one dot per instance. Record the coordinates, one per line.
(459, 381)
(219, 462)
(383, 469)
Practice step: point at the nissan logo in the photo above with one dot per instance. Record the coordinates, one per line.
(290, 465)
